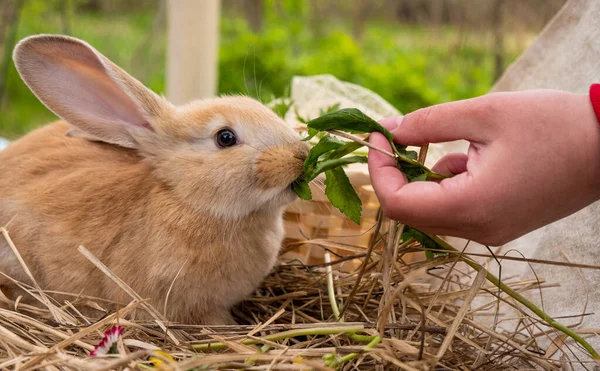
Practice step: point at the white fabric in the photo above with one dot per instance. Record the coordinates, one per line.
(310, 94)
(3, 143)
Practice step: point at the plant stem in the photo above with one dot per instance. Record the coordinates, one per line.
(521, 299)
(363, 338)
(376, 340)
(361, 141)
(436, 176)
(374, 240)
(396, 155)
(331, 289)
(342, 329)
(373, 340)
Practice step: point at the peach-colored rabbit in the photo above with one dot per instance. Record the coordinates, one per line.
(147, 187)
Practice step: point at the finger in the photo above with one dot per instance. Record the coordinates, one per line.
(430, 203)
(443, 231)
(470, 119)
(386, 179)
(467, 234)
(451, 164)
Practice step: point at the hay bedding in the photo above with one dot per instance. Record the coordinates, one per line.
(289, 323)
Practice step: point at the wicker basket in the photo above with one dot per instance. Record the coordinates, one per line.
(313, 227)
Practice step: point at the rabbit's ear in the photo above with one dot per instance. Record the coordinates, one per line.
(87, 90)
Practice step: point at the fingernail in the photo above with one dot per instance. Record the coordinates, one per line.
(391, 123)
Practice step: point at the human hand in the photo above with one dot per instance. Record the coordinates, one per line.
(534, 158)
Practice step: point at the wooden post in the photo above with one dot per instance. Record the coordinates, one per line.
(497, 22)
(255, 13)
(192, 50)
(8, 37)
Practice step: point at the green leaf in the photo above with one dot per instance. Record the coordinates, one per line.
(334, 163)
(332, 108)
(342, 195)
(311, 134)
(326, 144)
(301, 188)
(410, 170)
(282, 107)
(344, 150)
(425, 241)
(328, 156)
(350, 120)
(400, 149)
(420, 178)
(298, 117)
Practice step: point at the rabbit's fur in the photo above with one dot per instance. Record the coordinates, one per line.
(144, 186)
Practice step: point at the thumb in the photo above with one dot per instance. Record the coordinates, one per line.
(386, 179)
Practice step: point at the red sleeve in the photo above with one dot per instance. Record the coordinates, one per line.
(595, 99)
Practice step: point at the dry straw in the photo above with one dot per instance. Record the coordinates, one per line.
(388, 321)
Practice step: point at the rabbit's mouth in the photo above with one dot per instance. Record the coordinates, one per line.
(284, 197)
(290, 189)
(280, 167)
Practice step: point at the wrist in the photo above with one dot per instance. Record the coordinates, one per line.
(594, 99)
(594, 94)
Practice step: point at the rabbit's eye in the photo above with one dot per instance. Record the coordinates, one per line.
(226, 138)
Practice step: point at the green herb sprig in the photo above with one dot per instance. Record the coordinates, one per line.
(330, 154)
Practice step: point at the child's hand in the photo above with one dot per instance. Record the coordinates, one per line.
(534, 158)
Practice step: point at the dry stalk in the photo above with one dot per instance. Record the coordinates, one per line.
(289, 324)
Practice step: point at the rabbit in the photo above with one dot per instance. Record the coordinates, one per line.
(149, 188)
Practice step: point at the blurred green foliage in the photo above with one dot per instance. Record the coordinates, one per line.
(409, 66)
(119, 36)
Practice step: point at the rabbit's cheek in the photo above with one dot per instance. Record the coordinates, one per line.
(9, 264)
(278, 167)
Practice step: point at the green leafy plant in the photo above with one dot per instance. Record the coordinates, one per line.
(330, 154)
